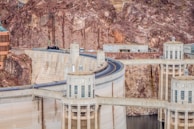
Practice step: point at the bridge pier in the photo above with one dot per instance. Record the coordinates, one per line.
(80, 116)
(178, 119)
(97, 110)
(63, 114)
(168, 119)
(160, 93)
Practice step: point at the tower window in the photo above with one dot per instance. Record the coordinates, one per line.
(69, 90)
(182, 95)
(176, 55)
(89, 91)
(75, 114)
(83, 91)
(176, 96)
(75, 89)
(170, 54)
(190, 97)
(83, 114)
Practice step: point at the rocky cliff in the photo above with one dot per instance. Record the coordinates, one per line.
(92, 23)
(141, 82)
(17, 71)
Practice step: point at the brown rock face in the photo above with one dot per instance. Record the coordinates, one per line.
(40, 23)
(141, 81)
(17, 71)
(155, 21)
(119, 37)
(92, 23)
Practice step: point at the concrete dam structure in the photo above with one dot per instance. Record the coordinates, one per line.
(82, 91)
(62, 77)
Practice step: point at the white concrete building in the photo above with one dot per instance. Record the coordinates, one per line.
(189, 48)
(172, 50)
(181, 115)
(80, 85)
(182, 90)
(124, 48)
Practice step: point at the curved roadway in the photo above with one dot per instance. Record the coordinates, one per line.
(112, 67)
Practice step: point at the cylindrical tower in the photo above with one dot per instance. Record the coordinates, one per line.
(83, 114)
(173, 50)
(180, 113)
(80, 85)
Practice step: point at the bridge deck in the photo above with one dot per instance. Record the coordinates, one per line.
(152, 103)
(156, 61)
(139, 102)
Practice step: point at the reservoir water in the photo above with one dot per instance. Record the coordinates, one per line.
(144, 122)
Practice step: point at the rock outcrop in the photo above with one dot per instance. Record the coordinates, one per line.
(141, 81)
(155, 21)
(17, 71)
(41, 23)
(92, 23)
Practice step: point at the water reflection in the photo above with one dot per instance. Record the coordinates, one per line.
(144, 122)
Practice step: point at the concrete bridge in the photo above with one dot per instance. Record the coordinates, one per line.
(150, 103)
(155, 61)
(116, 101)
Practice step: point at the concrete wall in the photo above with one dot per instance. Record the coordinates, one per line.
(126, 47)
(52, 66)
(26, 113)
(29, 113)
(112, 117)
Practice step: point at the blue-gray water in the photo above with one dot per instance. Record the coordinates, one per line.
(144, 122)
